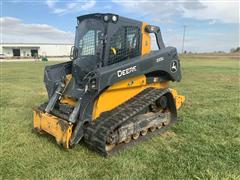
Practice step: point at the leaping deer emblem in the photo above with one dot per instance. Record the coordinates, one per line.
(174, 66)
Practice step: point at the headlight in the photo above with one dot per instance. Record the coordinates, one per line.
(114, 18)
(105, 18)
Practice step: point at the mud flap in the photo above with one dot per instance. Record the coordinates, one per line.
(57, 127)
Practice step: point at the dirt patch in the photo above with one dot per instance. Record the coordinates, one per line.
(169, 134)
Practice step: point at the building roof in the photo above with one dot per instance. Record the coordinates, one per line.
(36, 43)
(19, 45)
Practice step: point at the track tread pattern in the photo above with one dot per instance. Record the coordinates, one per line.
(95, 135)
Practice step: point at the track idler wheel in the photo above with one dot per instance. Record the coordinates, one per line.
(144, 132)
(109, 147)
(136, 135)
(128, 140)
(152, 129)
(159, 126)
(165, 123)
(162, 102)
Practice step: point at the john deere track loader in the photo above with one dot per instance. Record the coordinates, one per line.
(115, 90)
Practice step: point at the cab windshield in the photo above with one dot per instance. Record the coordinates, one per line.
(88, 37)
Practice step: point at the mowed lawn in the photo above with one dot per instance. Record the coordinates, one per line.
(205, 144)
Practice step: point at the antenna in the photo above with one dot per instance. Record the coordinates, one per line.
(184, 29)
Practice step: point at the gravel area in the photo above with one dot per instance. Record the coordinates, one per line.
(31, 60)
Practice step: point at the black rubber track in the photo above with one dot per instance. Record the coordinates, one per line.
(95, 135)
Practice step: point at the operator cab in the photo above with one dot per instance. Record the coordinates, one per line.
(87, 48)
(106, 39)
(103, 39)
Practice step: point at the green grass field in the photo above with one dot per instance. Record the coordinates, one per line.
(205, 144)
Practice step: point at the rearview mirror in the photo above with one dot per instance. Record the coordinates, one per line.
(74, 53)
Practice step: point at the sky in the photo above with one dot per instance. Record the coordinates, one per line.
(211, 25)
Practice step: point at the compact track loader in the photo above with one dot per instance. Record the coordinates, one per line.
(115, 90)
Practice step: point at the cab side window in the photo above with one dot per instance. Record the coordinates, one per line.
(124, 44)
(88, 44)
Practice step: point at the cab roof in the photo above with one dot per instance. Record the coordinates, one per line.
(101, 16)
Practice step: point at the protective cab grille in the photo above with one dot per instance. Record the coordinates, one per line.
(124, 44)
(88, 44)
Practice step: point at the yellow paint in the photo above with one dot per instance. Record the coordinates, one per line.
(68, 78)
(114, 51)
(121, 92)
(146, 41)
(53, 125)
(67, 100)
(179, 99)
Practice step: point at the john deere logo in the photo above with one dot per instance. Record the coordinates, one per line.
(174, 66)
(126, 71)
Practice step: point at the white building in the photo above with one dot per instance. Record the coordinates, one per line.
(33, 49)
